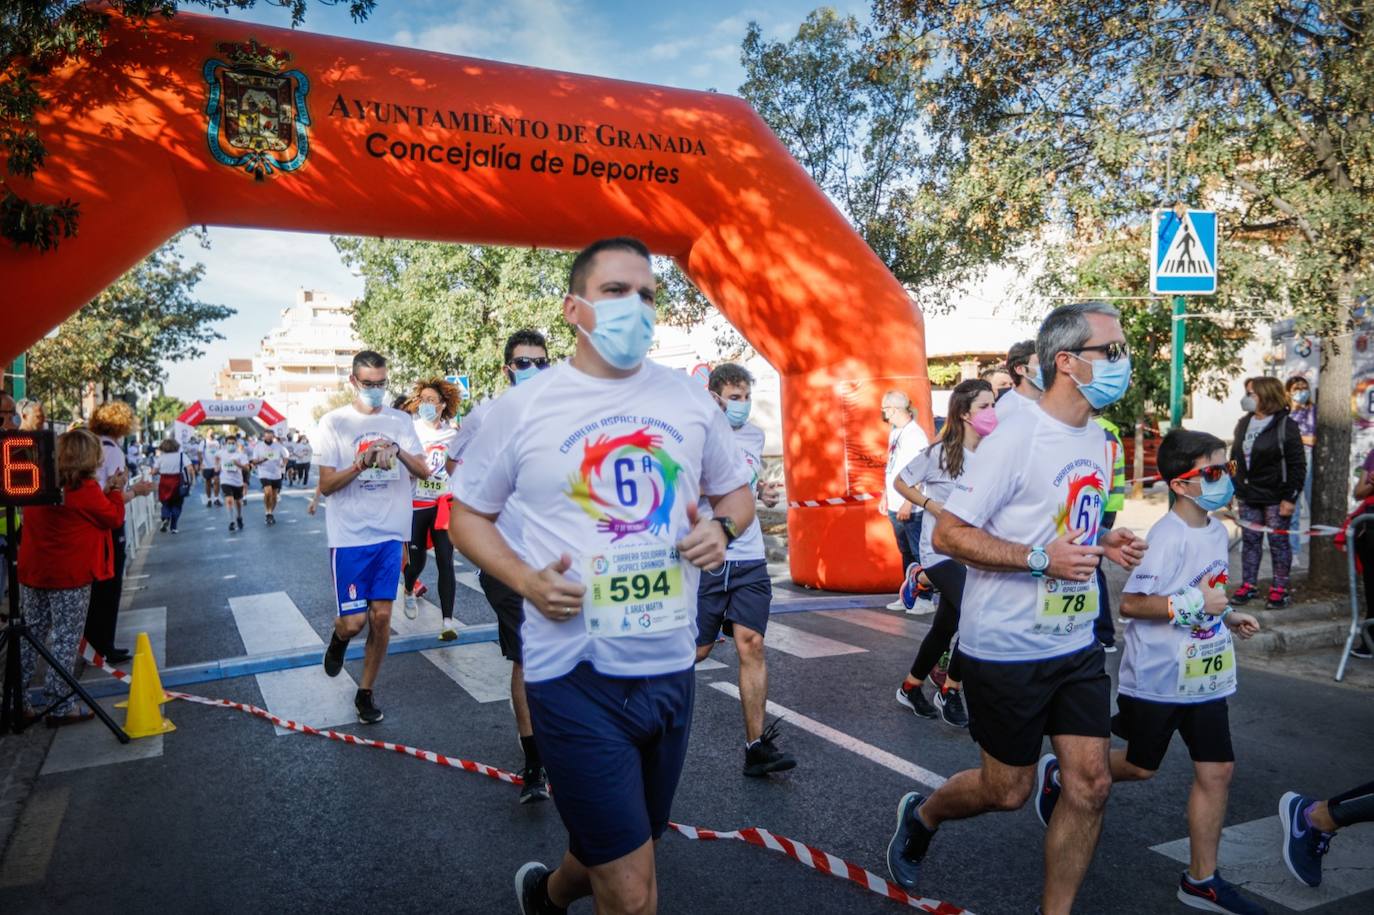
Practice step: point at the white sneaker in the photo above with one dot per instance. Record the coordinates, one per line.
(896, 605)
(922, 607)
(412, 609)
(448, 631)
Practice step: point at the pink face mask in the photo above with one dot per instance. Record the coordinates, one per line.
(984, 421)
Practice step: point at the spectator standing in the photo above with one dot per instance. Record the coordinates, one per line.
(905, 440)
(1305, 415)
(1364, 548)
(9, 413)
(174, 482)
(134, 456)
(66, 547)
(1270, 468)
(31, 416)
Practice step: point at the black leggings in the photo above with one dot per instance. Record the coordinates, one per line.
(948, 579)
(421, 526)
(1354, 806)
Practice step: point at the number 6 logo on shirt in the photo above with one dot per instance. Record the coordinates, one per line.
(1084, 511)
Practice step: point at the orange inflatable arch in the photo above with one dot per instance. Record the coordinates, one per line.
(203, 120)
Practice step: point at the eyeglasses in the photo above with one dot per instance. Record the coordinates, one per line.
(1210, 473)
(521, 363)
(1114, 351)
(373, 385)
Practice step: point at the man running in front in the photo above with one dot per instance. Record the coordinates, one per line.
(270, 457)
(368, 454)
(1026, 520)
(604, 458)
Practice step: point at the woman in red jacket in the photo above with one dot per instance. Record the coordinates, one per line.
(65, 548)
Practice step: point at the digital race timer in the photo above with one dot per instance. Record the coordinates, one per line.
(28, 468)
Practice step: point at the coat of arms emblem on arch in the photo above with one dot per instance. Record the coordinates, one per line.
(257, 109)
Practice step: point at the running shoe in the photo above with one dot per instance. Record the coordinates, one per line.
(420, 589)
(334, 655)
(219, 502)
(1215, 895)
(909, 843)
(1278, 599)
(163, 527)
(240, 522)
(1108, 647)
(531, 883)
(536, 787)
(174, 530)
(950, 703)
(271, 520)
(232, 528)
(1361, 650)
(412, 609)
(1047, 788)
(911, 586)
(207, 503)
(896, 605)
(1244, 594)
(368, 713)
(916, 700)
(448, 629)
(763, 756)
(1303, 844)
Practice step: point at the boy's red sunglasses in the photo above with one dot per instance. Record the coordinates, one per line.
(1210, 473)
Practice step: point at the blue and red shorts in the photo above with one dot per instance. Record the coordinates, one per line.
(364, 573)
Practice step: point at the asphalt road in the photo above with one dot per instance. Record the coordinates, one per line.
(229, 816)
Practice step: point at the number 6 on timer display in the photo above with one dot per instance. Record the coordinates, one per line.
(28, 473)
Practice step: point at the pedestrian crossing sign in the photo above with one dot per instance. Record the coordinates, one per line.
(463, 383)
(1183, 252)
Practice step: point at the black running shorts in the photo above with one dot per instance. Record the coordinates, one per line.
(510, 614)
(1014, 705)
(1147, 728)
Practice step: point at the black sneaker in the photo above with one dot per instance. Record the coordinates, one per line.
(368, 713)
(163, 528)
(531, 890)
(240, 522)
(219, 503)
(762, 756)
(231, 527)
(334, 655)
(950, 703)
(1361, 650)
(909, 843)
(536, 787)
(916, 700)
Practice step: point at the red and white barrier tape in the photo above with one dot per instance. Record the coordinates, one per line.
(1313, 530)
(812, 857)
(838, 500)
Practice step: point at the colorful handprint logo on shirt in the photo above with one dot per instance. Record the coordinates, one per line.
(627, 484)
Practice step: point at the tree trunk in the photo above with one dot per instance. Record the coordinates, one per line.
(1138, 471)
(1331, 478)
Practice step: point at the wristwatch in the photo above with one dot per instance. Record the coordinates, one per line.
(1038, 561)
(728, 525)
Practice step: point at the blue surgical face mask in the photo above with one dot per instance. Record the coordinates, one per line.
(1215, 495)
(737, 412)
(519, 376)
(1036, 378)
(428, 412)
(372, 397)
(1301, 397)
(1109, 384)
(624, 330)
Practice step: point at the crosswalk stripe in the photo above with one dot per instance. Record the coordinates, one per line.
(877, 621)
(802, 644)
(479, 669)
(272, 622)
(90, 744)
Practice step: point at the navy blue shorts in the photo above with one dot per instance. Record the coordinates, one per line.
(738, 592)
(364, 573)
(614, 749)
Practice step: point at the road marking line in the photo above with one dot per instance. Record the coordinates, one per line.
(478, 669)
(880, 622)
(802, 644)
(840, 739)
(90, 744)
(272, 622)
(1252, 855)
(31, 846)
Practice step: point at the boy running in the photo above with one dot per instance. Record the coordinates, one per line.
(1179, 664)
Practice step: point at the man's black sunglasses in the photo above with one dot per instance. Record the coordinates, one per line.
(523, 362)
(1113, 351)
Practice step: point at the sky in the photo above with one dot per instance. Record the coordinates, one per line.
(689, 45)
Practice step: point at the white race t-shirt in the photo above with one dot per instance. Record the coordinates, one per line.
(192, 449)
(111, 460)
(902, 447)
(604, 469)
(274, 457)
(212, 450)
(1161, 662)
(438, 449)
(375, 507)
(508, 522)
(467, 429)
(925, 473)
(304, 452)
(1032, 479)
(171, 462)
(232, 465)
(1010, 403)
(749, 544)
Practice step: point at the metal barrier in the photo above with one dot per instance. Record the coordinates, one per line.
(140, 516)
(1351, 533)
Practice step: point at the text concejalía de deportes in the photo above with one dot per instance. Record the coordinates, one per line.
(467, 156)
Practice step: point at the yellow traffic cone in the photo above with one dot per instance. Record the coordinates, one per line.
(146, 695)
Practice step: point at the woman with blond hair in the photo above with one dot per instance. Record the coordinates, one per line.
(111, 422)
(66, 547)
(434, 404)
(1270, 469)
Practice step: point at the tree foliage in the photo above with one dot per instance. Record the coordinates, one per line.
(164, 408)
(37, 36)
(125, 338)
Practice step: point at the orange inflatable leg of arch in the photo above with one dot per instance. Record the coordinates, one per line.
(201, 120)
